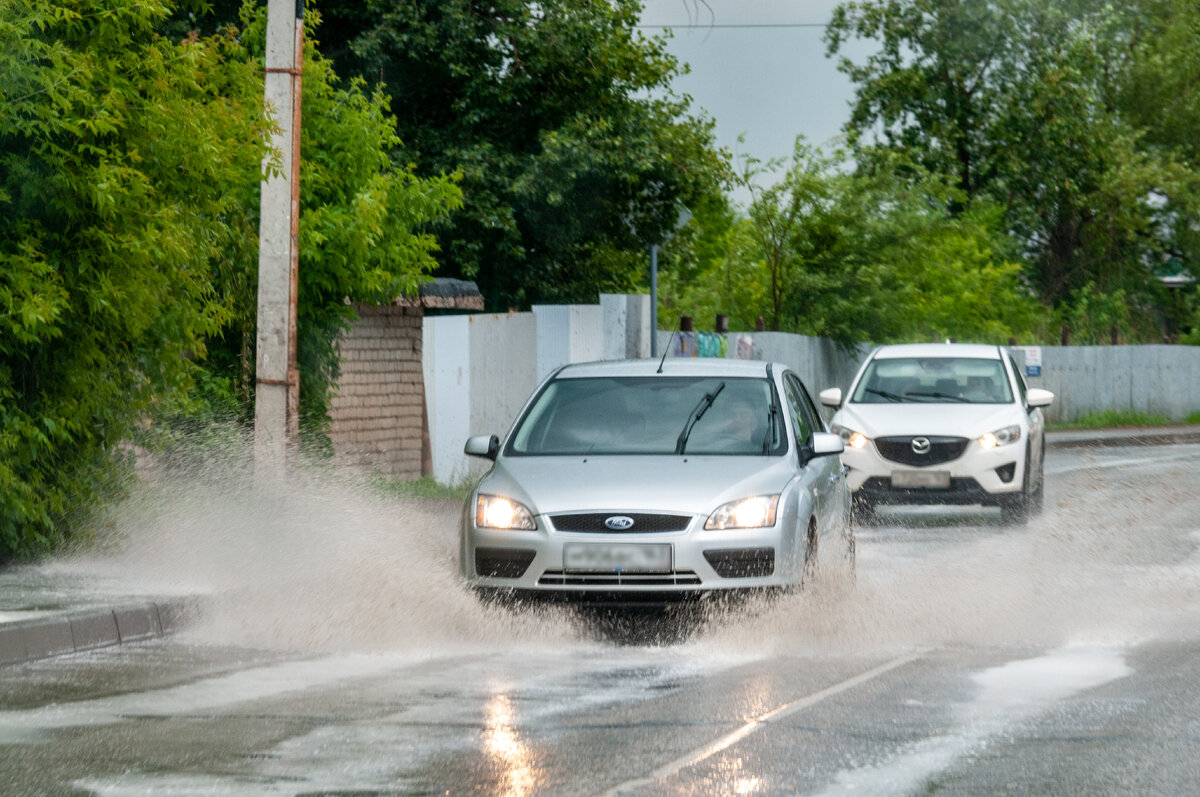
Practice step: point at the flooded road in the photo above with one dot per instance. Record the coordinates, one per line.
(338, 654)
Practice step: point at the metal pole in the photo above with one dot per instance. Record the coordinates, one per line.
(653, 300)
(276, 402)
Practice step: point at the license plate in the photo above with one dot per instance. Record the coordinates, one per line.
(617, 557)
(921, 478)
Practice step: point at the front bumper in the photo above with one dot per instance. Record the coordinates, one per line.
(530, 564)
(977, 476)
(879, 490)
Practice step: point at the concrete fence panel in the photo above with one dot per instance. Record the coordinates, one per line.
(446, 363)
(479, 369)
(1156, 379)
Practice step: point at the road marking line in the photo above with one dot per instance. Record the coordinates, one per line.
(750, 727)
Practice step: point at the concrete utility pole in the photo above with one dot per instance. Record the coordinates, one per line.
(277, 394)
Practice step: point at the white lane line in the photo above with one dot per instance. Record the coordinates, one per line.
(736, 736)
(1008, 695)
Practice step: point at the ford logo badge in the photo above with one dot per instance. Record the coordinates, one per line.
(619, 522)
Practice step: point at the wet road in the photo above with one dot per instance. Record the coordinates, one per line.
(971, 658)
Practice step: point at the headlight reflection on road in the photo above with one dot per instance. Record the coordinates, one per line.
(507, 752)
(731, 778)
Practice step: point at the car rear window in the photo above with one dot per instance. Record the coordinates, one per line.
(649, 415)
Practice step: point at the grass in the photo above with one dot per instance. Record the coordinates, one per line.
(1109, 419)
(425, 488)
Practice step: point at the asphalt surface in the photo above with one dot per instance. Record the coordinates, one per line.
(45, 613)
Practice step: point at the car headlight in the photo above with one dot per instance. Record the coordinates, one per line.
(850, 437)
(749, 513)
(498, 512)
(1001, 437)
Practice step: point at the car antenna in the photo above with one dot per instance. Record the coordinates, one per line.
(664, 357)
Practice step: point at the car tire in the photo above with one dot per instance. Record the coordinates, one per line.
(1038, 498)
(811, 552)
(1017, 509)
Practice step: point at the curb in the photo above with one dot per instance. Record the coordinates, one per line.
(74, 633)
(1122, 437)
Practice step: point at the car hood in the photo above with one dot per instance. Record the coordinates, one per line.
(950, 420)
(688, 485)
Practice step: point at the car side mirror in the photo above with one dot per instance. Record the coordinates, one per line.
(825, 444)
(1036, 397)
(482, 445)
(831, 397)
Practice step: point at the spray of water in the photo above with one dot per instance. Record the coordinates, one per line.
(323, 562)
(1112, 561)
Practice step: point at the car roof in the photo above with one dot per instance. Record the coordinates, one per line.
(973, 350)
(672, 366)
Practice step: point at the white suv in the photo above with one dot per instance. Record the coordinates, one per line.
(942, 424)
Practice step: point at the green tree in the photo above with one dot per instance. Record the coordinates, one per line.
(712, 267)
(575, 153)
(1018, 101)
(872, 256)
(118, 185)
(129, 182)
(364, 217)
(879, 260)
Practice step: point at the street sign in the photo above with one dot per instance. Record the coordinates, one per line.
(1033, 360)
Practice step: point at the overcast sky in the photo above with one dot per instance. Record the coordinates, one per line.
(770, 82)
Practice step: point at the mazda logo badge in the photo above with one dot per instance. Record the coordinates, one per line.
(619, 522)
(920, 445)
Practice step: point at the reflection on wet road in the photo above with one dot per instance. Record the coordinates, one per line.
(339, 655)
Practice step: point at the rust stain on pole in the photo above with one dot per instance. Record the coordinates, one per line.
(293, 375)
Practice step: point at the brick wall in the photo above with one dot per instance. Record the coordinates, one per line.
(378, 421)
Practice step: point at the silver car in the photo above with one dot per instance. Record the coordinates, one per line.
(942, 423)
(643, 481)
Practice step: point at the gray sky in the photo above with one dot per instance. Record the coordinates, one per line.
(769, 83)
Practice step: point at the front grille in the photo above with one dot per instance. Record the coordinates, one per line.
(561, 578)
(503, 562)
(941, 449)
(642, 522)
(742, 562)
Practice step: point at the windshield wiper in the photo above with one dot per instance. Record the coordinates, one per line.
(885, 394)
(696, 414)
(771, 421)
(940, 395)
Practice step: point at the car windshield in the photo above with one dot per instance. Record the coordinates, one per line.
(951, 380)
(652, 415)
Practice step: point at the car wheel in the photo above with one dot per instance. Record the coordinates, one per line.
(1016, 509)
(810, 553)
(1038, 499)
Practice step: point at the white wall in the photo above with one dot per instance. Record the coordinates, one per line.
(446, 367)
(568, 333)
(502, 372)
(480, 369)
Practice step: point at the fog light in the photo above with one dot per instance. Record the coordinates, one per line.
(1006, 472)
